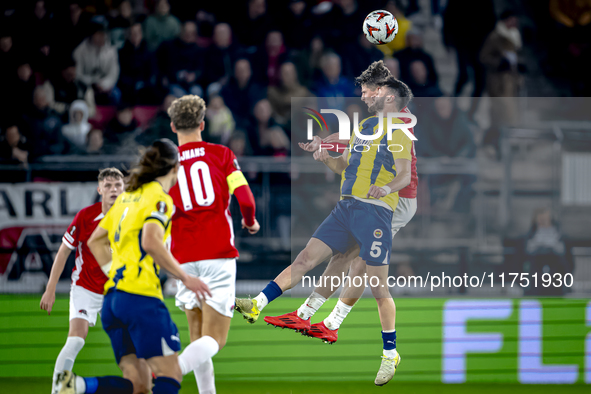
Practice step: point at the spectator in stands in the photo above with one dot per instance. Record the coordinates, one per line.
(182, 62)
(77, 130)
(466, 33)
(238, 144)
(161, 26)
(333, 84)
(415, 51)
(357, 55)
(308, 62)
(95, 142)
(545, 251)
(21, 87)
(36, 25)
(8, 56)
(43, 59)
(252, 29)
(241, 93)
(63, 89)
(119, 23)
(219, 121)
(280, 96)
(297, 26)
(266, 64)
(138, 68)
(159, 125)
(500, 55)
(121, 131)
(393, 65)
(344, 15)
(418, 81)
(445, 133)
(272, 140)
(97, 65)
(221, 56)
(404, 25)
(13, 147)
(43, 127)
(71, 30)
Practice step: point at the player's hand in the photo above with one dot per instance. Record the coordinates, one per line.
(311, 146)
(197, 286)
(321, 155)
(376, 192)
(47, 301)
(334, 139)
(252, 229)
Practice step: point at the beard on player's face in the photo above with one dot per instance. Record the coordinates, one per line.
(377, 105)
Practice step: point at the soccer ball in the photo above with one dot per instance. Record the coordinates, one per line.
(380, 27)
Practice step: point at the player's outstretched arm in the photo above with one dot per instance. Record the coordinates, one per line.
(48, 298)
(99, 246)
(152, 236)
(336, 164)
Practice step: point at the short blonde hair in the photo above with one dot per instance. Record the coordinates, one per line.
(187, 112)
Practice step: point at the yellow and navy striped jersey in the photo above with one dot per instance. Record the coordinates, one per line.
(371, 162)
(133, 270)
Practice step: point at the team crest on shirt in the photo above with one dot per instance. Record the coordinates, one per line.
(378, 233)
(161, 207)
(73, 229)
(236, 164)
(82, 312)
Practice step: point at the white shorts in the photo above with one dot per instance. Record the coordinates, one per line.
(405, 210)
(220, 276)
(84, 304)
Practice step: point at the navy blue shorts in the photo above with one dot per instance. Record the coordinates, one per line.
(353, 221)
(139, 325)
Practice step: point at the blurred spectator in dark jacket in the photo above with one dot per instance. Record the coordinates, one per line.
(97, 65)
(43, 127)
(71, 29)
(95, 142)
(252, 28)
(36, 25)
(268, 59)
(220, 56)
(297, 25)
(119, 22)
(333, 87)
(415, 51)
(161, 26)
(393, 65)
(138, 69)
(182, 62)
(280, 96)
(340, 20)
(241, 93)
(121, 131)
(418, 81)
(445, 133)
(21, 87)
(357, 55)
(76, 131)
(63, 88)
(159, 125)
(8, 57)
(13, 147)
(466, 33)
(308, 62)
(266, 137)
(219, 122)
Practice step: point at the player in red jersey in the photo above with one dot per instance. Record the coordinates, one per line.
(203, 235)
(88, 280)
(327, 330)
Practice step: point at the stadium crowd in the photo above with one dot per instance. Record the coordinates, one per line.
(96, 77)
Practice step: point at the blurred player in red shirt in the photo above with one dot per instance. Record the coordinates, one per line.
(203, 235)
(88, 280)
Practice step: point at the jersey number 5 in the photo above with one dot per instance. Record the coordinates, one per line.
(203, 192)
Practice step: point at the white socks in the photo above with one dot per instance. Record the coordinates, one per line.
(80, 385)
(338, 314)
(261, 300)
(65, 360)
(205, 377)
(390, 353)
(197, 353)
(311, 305)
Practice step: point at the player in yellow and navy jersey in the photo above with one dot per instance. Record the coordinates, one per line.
(133, 315)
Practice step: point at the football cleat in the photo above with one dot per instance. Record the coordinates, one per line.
(289, 320)
(66, 383)
(387, 369)
(320, 331)
(247, 307)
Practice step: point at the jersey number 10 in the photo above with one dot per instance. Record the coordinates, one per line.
(204, 193)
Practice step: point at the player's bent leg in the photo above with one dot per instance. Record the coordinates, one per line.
(338, 265)
(138, 372)
(313, 254)
(168, 374)
(378, 275)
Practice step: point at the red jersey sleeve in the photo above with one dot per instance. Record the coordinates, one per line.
(72, 235)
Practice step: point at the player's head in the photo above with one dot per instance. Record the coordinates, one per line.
(187, 114)
(160, 162)
(370, 81)
(393, 93)
(110, 185)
